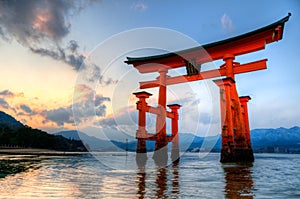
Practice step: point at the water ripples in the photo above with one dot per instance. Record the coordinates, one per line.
(271, 176)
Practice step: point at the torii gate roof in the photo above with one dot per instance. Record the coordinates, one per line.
(242, 44)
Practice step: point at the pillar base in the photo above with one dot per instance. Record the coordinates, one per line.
(141, 146)
(175, 155)
(237, 155)
(160, 157)
(141, 159)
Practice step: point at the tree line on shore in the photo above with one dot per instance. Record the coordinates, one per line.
(27, 137)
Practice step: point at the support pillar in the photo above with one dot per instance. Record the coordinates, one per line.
(141, 150)
(175, 141)
(244, 104)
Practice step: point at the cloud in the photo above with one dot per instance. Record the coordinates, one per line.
(9, 94)
(86, 100)
(99, 100)
(4, 103)
(60, 115)
(227, 23)
(85, 107)
(87, 103)
(41, 25)
(106, 122)
(40, 21)
(26, 108)
(73, 46)
(140, 6)
(68, 55)
(123, 117)
(8, 98)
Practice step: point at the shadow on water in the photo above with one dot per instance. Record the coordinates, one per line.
(164, 177)
(238, 179)
(14, 165)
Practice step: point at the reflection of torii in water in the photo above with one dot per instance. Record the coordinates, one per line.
(236, 145)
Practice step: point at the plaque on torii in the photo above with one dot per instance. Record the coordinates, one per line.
(236, 143)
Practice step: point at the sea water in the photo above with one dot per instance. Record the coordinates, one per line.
(113, 175)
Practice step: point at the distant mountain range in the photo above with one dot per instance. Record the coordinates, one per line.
(263, 140)
(90, 142)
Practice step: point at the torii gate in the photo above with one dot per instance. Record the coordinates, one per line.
(236, 144)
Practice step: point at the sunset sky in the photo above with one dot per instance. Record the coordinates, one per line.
(43, 45)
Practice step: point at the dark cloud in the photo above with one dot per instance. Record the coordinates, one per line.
(26, 108)
(41, 25)
(100, 108)
(87, 103)
(67, 55)
(4, 103)
(73, 46)
(31, 21)
(108, 81)
(9, 94)
(100, 99)
(89, 107)
(60, 116)
(76, 61)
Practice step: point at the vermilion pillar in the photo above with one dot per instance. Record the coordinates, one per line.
(244, 100)
(228, 59)
(161, 149)
(141, 150)
(175, 138)
(236, 144)
(226, 116)
(161, 118)
(141, 132)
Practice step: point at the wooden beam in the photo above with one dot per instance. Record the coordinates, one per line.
(238, 69)
(153, 110)
(250, 67)
(170, 114)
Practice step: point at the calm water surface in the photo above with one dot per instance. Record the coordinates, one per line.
(271, 176)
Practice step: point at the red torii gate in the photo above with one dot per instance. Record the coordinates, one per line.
(236, 144)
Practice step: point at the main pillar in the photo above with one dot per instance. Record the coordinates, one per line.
(160, 155)
(226, 119)
(235, 126)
